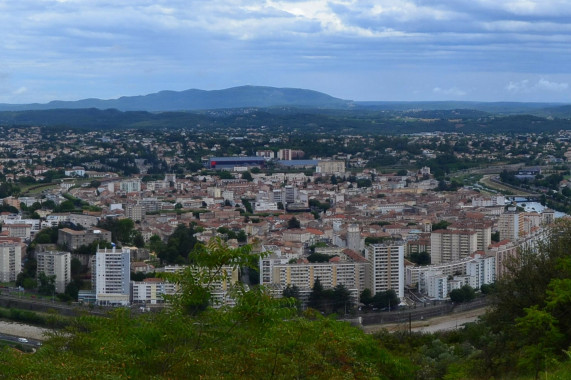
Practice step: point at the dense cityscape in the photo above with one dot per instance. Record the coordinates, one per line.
(293, 189)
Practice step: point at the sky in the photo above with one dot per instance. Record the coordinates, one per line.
(384, 50)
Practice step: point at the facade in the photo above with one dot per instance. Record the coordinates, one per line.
(22, 231)
(331, 167)
(354, 241)
(130, 186)
(111, 275)
(387, 270)
(10, 261)
(73, 239)
(483, 269)
(504, 252)
(416, 275)
(483, 228)
(510, 226)
(134, 212)
(151, 291)
(289, 154)
(56, 264)
(447, 245)
(437, 286)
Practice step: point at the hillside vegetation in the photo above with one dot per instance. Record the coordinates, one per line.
(527, 332)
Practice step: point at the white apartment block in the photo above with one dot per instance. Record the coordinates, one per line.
(10, 261)
(151, 291)
(483, 269)
(130, 186)
(437, 287)
(417, 275)
(448, 246)
(387, 270)
(268, 262)
(111, 275)
(56, 264)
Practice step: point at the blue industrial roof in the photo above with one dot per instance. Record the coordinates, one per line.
(234, 159)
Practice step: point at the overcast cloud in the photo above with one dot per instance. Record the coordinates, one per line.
(485, 50)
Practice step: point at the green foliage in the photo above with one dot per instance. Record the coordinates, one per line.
(47, 236)
(496, 236)
(465, 294)
(376, 240)
(293, 223)
(442, 225)
(387, 299)
(318, 206)
(223, 174)
(46, 284)
(319, 258)
(27, 277)
(247, 176)
(91, 249)
(7, 189)
(420, 258)
(247, 205)
(337, 300)
(366, 297)
(211, 265)
(178, 247)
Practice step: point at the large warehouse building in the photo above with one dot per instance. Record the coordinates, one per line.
(229, 163)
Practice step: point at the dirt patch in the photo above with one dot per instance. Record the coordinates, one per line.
(22, 330)
(446, 322)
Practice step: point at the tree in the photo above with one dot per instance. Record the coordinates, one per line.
(247, 176)
(46, 284)
(242, 237)
(291, 291)
(316, 295)
(341, 301)
(293, 223)
(465, 294)
(420, 258)
(442, 225)
(138, 240)
(366, 297)
(496, 236)
(387, 299)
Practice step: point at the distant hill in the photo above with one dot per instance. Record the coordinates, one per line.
(192, 100)
(286, 120)
(498, 108)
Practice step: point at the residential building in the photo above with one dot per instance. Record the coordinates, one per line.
(73, 239)
(56, 264)
(387, 270)
(509, 226)
(111, 275)
(151, 290)
(130, 186)
(452, 245)
(331, 167)
(10, 261)
(135, 212)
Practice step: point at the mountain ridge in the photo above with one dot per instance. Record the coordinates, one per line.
(195, 99)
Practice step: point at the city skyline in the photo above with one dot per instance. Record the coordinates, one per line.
(381, 50)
